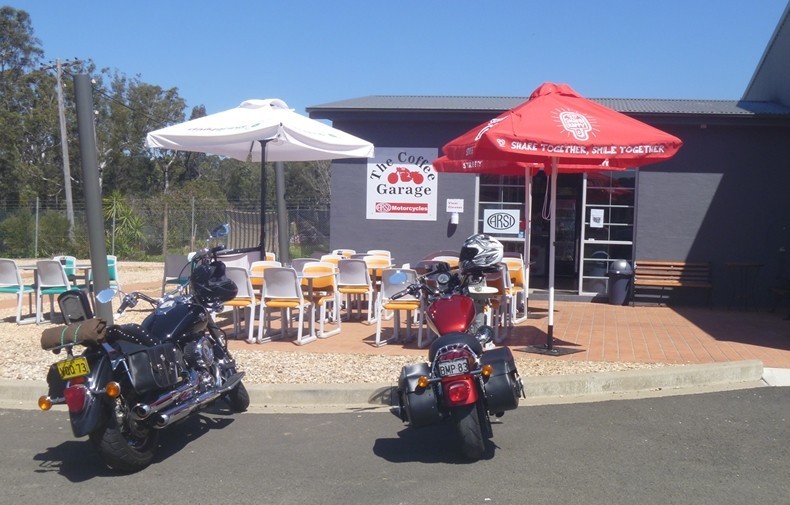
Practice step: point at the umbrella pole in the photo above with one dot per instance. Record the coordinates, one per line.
(263, 198)
(527, 235)
(552, 238)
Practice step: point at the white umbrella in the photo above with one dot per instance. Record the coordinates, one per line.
(261, 130)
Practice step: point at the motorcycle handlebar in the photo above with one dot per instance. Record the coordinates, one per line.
(131, 299)
(208, 253)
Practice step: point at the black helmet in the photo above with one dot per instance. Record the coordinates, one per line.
(210, 285)
(480, 252)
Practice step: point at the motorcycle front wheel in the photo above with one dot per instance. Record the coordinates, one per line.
(467, 424)
(122, 449)
(238, 398)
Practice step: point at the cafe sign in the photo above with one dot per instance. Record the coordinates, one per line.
(401, 184)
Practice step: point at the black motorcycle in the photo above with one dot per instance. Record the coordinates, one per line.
(132, 380)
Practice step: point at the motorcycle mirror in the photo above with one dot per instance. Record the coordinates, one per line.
(105, 295)
(398, 277)
(220, 231)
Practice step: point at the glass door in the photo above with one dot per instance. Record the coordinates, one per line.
(608, 231)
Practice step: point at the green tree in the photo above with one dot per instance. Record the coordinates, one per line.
(19, 54)
(125, 229)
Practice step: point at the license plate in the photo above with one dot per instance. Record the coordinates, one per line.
(73, 367)
(454, 367)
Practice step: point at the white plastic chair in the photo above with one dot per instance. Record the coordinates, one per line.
(499, 304)
(353, 280)
(51, 279)
(346, 253)
(176, 270)
(235, 260)
(322, 293)
(68, 263)
(299, 263)
(394, 280)
(112, 274)
(282, 290)
(245, 299)
(450, 260)
(11, 282)
(332, 258)
(256, 273)
(380, 252)
(515, 267)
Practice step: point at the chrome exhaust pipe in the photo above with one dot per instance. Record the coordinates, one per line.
(165, 419)
(144, 410)
(168, 417)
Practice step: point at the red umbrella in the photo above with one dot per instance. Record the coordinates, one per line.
(564, 132)
(558, 123)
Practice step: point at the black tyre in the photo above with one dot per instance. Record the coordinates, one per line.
(124, 449)
(238, 398)
(467, 423)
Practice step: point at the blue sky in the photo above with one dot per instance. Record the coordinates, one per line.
(311, 52)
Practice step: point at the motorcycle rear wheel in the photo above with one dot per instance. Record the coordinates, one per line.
(123, 450)
(467, 424)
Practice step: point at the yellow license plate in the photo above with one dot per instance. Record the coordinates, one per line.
(73, 367)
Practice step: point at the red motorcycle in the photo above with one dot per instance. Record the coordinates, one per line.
(405, 175)
(465, 380)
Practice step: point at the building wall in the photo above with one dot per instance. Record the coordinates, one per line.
(408, 241)
(771, 79)
(724, 197)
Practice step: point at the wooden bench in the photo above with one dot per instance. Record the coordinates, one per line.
(672, 274)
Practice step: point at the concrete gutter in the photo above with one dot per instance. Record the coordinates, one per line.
(685, 379)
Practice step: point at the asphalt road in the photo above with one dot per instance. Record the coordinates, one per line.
(713, 448)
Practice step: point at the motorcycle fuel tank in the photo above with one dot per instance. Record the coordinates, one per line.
(447, 315)
(172, 321)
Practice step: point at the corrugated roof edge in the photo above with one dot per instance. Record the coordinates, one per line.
(503, 103)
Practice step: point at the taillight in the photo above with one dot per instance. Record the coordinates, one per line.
(76, 395)
(458, 392)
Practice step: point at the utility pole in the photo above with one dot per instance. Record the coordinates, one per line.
(64, 147)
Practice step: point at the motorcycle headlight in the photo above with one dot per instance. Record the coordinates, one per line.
(485, 334)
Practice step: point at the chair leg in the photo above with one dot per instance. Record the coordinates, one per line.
(250, 322)
(378, 343)
(372, 316)
(262, 320)
(27, 320)
(300, 338)
(323, 316)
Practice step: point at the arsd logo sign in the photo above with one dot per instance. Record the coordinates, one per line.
(501, 221)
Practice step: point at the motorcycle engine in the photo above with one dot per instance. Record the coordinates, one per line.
(198, 353)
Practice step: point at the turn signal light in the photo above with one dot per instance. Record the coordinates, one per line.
(44, 403)
(112, 389)
(423, 381)
(487, 370)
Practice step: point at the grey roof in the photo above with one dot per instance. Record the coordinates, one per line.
(503, 103)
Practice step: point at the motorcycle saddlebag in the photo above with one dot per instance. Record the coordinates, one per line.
(419, 405)
(154, 367)
(502, 389)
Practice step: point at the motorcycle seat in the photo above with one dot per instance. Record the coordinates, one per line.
(132, 333)
(454, 338)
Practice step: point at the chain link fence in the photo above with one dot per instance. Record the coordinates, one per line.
(34, 231)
